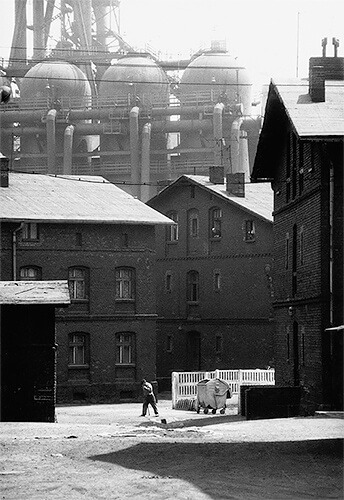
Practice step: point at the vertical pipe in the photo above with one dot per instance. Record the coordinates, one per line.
(134, 150)
(51, 140)
(68, 149)
(239, 149)
(145, 160)
(38, 28)
(218, 133)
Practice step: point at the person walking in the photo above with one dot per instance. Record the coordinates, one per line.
(148, 398)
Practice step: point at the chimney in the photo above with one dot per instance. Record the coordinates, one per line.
(4, 161)
(235, 184)
(216, 174)
(324, 68)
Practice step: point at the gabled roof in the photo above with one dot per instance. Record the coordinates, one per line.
(258, 199)
(310, 120)
(313, 119)
(72, 199)
(34, 292)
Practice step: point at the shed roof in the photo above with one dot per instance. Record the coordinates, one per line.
(258, 199)
(72, 199)
(34, 292)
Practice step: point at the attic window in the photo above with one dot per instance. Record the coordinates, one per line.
(30, 231)
(250, 230)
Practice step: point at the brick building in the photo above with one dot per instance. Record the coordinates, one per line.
(214, 275)
(102, 240)
(301, 151)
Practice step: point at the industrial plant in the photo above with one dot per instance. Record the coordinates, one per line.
(92, 104)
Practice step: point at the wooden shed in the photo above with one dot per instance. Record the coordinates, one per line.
(28, 348)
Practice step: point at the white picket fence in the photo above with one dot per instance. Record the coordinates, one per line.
(184, 384)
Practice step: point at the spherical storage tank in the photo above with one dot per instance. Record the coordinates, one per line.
(54, 82)
(218, 73)
(134, 80)
(214, 76)
(134, 76)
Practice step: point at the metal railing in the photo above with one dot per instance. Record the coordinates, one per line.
(184, 384)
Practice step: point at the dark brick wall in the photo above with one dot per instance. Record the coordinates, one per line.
(102, 249)
(239, 312)
(308, 305)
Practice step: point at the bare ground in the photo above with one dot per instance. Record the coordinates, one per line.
(109, 452)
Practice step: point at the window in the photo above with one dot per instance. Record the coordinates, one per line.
(218, 343)
(168, 281)
(125, 348)
(217, 280)
(172, 231)
(169, 343)
(78, 349)
(77, 283)
(30, 232)
(192, 191)
(215, 222)
(302, 239)
(301, 167)
(288, 167)
(286, 255)
(193, 223)
(193, 286)
(125, 283)
(294, 261)
(30, 273)
(250, 230)
(287, 338)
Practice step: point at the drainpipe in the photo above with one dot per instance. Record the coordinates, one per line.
(68, 149)
(145, 160)
(51, 140)
(134, 150)
(218, 133)
(14, 250)
(331, 240)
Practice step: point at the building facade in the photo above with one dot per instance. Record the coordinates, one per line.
(102, 240)
(214, 291)
(301, 151)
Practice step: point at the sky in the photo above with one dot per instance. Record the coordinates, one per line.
(272, 38)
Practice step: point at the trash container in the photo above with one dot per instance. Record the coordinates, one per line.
(212, 395)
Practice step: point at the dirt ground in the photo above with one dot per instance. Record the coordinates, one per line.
(110, 452)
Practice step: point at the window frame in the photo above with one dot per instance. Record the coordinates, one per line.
(121, 359)
(121, 296)
(215, 223)
(193, 223)
(217, 280)
(193, 287)
(249, 233)
(73, 345)
(37, 269)
(28, 229)
(172, 231)
(74, 280)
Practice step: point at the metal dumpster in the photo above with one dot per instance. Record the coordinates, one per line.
(212, 395)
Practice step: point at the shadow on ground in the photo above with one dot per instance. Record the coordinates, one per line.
(278, 470)
(192, 422)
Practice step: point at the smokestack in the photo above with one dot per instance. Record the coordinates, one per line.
(235, 184)
(216, 174)
(4, 161)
